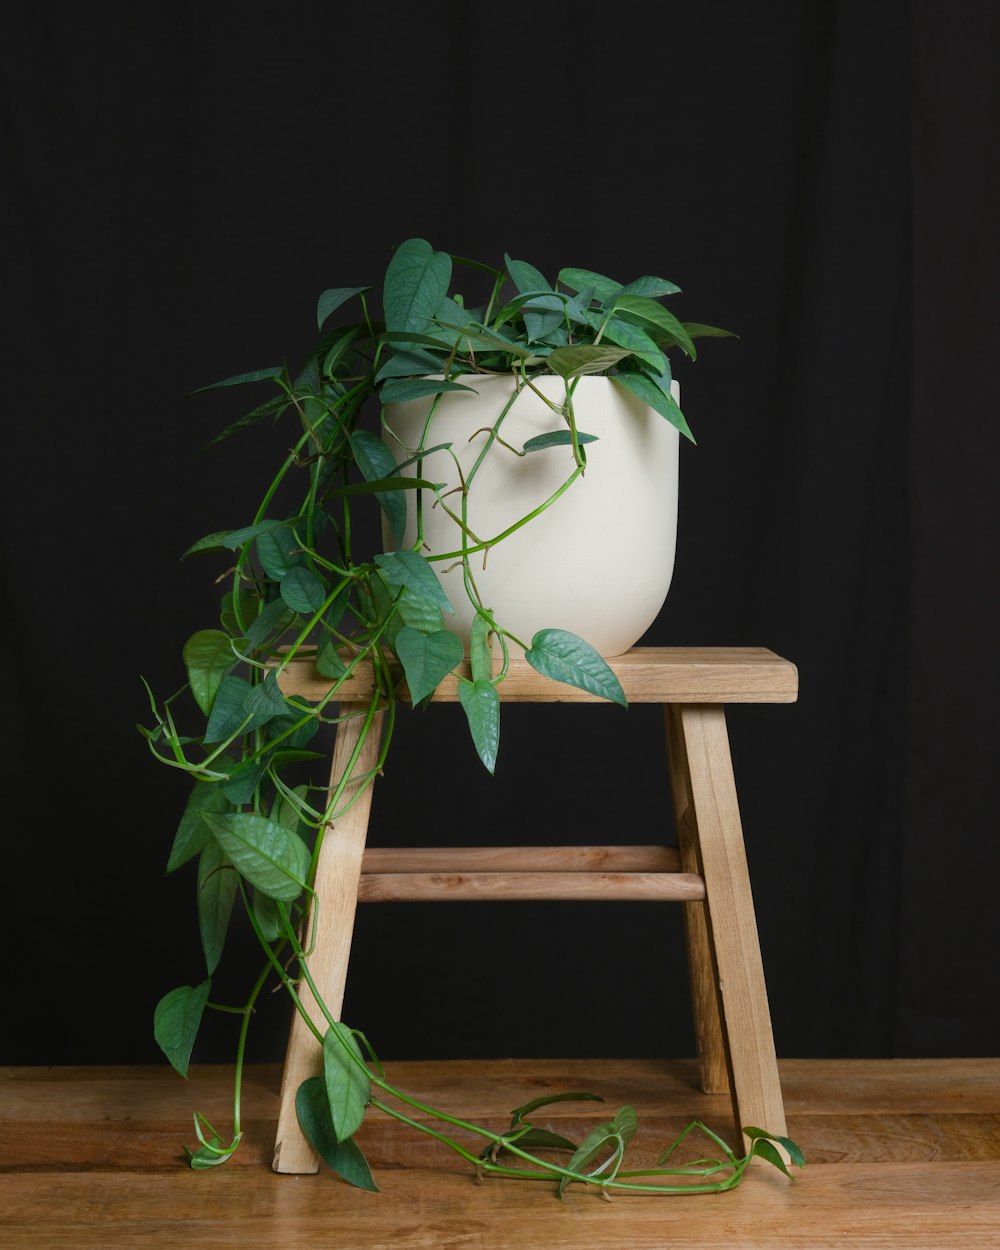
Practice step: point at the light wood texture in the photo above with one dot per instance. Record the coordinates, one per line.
(338, 872)
(595, 873)
(415, 887)
(731, 922)
(902, 1155)
(527, 858)
(647, 675)
(713, 1064)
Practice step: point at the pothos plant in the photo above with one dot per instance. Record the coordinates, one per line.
(298, 585)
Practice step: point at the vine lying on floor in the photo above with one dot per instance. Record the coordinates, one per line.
(298, 587)
(331, 1109)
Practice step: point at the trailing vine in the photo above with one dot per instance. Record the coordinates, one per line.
(298, 586)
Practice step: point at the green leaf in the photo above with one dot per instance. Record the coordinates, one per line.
(482, 337)
(542, 326)
(176, 1020)
(557, 438)
(248, 605)
(419, 613)
(307, 728)
(563, 656)
(651, 287)
(208, 655)
(328, 660)
(242, 781)
(273, 859)
(336, 347)
(331, 300)
(287, 809)
(383, 610)
(696, 331)
(520, 1114)
(229, 711)
(211, 542)
(278, 551)
(303, 591)
(410, 570)
(376, 461)
(481, 704)
(266, 914)
(524, 276)
(265, 700)
(313, 1110)
(416, 280)
(427, 659)
(289, 755)
(217, 882)
(239, 379)
(273, 407)
(236, 538)
(403, 364)
(211, 1156)
(387, 484)
(543, 1139)
(616, 1133)
(766, 1150)
(193, 834)
(624, 334)
(399, 390)
(794, 1152)
(649, 312)
(573, 362)
(657, 399)
(445, 328)
(480, 650)
(307, 383)
(272, 621)
(584, 279)
(348, 1082)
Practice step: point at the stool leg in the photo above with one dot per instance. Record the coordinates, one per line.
(713, 1068)
(338, 873)
(732, 927)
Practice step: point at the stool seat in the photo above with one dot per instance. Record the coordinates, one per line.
(706, 872)
(647, 675)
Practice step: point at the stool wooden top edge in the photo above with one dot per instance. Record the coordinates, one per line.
(647, 675)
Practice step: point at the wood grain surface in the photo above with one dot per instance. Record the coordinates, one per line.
(901, 1154)
(647, 675)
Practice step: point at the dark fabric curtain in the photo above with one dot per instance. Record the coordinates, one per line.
(180, 183)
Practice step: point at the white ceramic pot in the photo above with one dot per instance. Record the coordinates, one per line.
(599, 561)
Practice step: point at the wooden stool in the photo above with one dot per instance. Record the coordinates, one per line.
(707, 872)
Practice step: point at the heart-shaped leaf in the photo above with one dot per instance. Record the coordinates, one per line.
(427, 659)
(217, 882)
(557, 438)
(208, 656)
(348, 1082)
(411, 570)
(313, 1110)
(481, 705)
(176, 1020)
(193, 834)
(272, 858)
(558, 654)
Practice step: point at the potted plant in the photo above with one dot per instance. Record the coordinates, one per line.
(386, 412)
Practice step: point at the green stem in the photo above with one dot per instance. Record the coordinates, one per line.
(242, 1044)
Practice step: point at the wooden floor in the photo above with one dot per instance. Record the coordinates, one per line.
(900, 1153)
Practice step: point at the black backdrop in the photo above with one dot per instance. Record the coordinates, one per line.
(181, 181)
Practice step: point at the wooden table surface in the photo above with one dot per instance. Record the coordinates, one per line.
(901, 1154)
